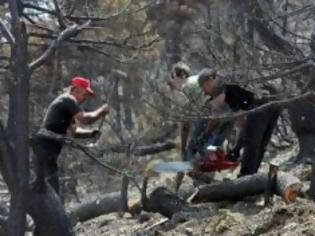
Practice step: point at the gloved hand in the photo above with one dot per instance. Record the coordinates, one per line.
(96, 134)
(233, 155)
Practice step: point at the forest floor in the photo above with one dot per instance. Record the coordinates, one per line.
(246, 217)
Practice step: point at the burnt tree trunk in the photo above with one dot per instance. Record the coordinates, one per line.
(301, 113)
(303, 125)
(165, 202)
(312, 186)
(46, 209)
(301, 116)
(287, 186)
(117, 77)
(109, 203)
(127, 97)
(57, 72)
(19, 122)
(48, 213)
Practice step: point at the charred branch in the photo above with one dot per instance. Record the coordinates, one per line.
(113, 43)
(59, 15)
(266, 33)
(77, 18)
(146, 150)
(65, 34)
(6, 33)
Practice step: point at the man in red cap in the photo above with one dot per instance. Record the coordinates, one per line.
(62, 116)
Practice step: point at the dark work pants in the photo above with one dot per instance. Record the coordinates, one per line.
(255, 137)
(46, 155)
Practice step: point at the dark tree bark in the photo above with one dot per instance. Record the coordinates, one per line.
(302, 117)
(109, 203)
(45, 209)
(19, 121)
(302, 112)
(287, 186)
(118, 77)
(165, 202)
(127, 93)
(265, 31)
(312, 186)
(57, 74)
(146, 150)
(48, 213)
(303, 124)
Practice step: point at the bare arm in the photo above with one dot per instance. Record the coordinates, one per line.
(91, 117)
(84, 133)
(217, 105)
(78, 132)
(240, 123)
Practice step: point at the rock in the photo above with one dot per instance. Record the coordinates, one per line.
(309, 232)
(189, 231)
(144, 216)
(179, 217)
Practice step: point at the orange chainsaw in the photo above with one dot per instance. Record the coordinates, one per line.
(213, 160)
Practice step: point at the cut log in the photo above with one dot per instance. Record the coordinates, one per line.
(107, 204)
(111, 202)
(165, 202)
(271, 183)
(124, 196)
(287, 186)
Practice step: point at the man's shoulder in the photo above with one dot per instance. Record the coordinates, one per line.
(238, 97)
(195, 96)
(64, 99)
(235, 88)
(192, 81)
(192, 85)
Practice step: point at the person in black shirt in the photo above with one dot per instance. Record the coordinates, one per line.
(62, 116)
(258, 126)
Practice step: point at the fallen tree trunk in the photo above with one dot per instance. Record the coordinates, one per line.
(111, 202)
(146, 150)
(167, 203)
(287, 186)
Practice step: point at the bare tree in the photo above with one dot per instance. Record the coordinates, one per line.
(14, 148)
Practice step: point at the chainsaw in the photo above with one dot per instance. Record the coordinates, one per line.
(214, 159)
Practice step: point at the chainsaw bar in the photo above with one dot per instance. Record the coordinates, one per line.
(174, 166)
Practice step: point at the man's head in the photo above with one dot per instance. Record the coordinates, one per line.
(81, 88)
(207, 81)
(179, 74)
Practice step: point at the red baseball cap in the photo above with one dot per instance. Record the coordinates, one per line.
(83, 83)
